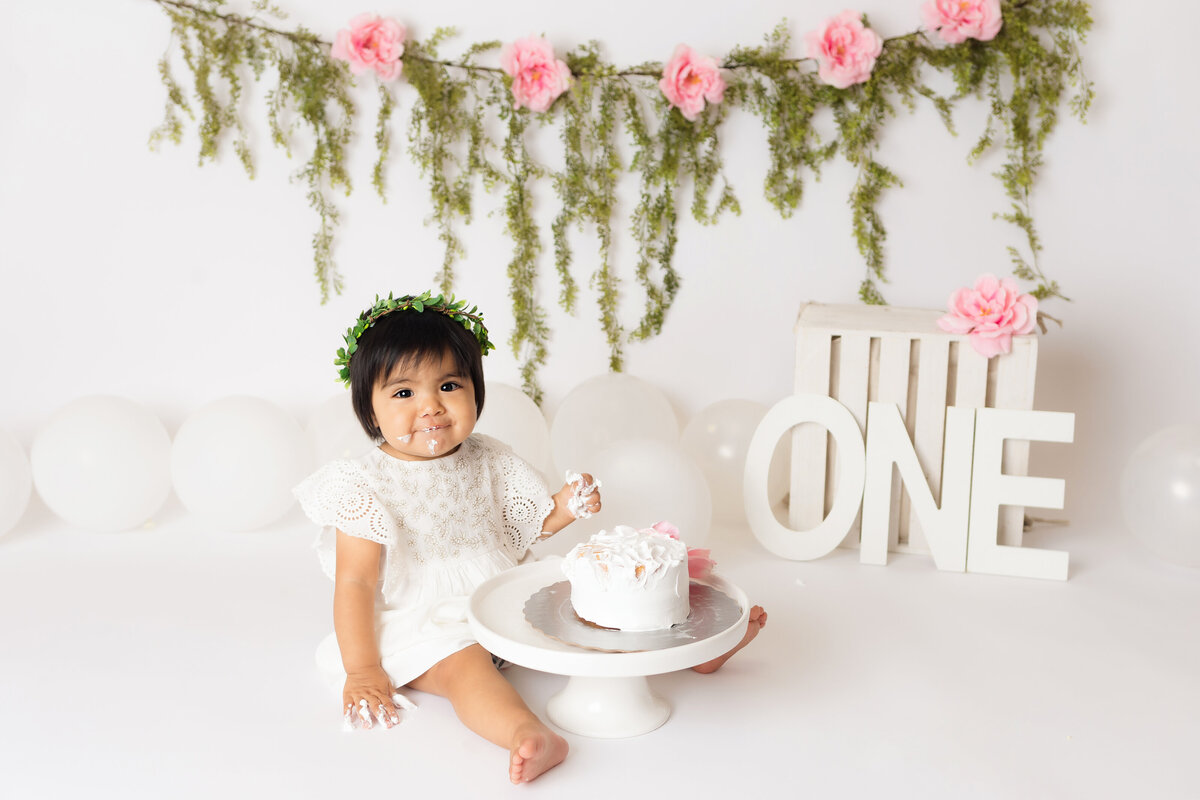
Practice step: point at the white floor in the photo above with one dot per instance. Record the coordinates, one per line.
(177, 663)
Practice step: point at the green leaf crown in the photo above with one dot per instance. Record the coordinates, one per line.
(456, 310)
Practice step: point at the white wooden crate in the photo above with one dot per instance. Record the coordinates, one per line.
(857, 354)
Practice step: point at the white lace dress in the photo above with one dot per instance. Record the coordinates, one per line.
(446, 526)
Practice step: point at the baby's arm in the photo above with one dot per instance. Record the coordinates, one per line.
(562, 516)
(354, 622)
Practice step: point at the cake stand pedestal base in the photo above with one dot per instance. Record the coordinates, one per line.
(607, 695)
(607, 708)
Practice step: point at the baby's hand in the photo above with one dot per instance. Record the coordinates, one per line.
(582, 493)
(368, 696)
(577, 499)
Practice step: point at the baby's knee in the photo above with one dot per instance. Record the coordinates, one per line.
(459, 665)
(470, 656)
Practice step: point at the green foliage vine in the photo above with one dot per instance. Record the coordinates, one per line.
(1024, 74)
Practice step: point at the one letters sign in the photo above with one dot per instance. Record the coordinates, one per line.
(962, 532)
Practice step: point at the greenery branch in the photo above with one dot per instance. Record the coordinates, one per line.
(465, 134)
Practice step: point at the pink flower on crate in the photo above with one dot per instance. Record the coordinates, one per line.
(538, 78)
(689, 79)
(845, 49)
(700, 565)
(959, 20)
(371, 42)
(991, 314)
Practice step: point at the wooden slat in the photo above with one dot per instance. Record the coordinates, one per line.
(871, 320)
(806, 507)
(854, 369)
(970, 387)
(894, 352)
(835, 364)
(933, 366)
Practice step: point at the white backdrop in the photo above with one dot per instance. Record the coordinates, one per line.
(187, 650)
(139, 274)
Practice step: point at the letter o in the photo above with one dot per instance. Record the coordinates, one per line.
(851, 469)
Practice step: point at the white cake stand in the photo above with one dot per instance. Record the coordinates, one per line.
(607, 695)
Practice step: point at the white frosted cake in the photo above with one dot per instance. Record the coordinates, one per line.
(632, 580)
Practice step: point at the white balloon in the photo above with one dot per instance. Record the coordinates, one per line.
(101, 463)
(1160, 493)
(607, 409)
(235, 461)
(717, 439)
(16, 483)
(643, 482)
(335, 431)
(510, 416)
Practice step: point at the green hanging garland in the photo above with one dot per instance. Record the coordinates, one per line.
(1024, 73)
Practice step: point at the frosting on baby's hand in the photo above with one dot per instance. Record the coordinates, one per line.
(577, 503)
(360, 716)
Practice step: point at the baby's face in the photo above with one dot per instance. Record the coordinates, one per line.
(426, 410)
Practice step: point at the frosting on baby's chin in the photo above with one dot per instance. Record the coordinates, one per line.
(432, 444)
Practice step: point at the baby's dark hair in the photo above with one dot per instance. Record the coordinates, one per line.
(409, 338)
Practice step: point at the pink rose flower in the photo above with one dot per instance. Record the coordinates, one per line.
(700, 566)
(371, 43)
(689, 79)
(991, 313)
(845, 50)
(538, 78)
(959, 20)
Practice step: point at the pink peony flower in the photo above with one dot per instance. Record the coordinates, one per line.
(538, 78)
(959, 20)
(371, 43)
(689, 79)
(845, 50)
(991, 313)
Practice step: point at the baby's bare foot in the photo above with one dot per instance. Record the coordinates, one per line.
(537, 749)
(758, 618)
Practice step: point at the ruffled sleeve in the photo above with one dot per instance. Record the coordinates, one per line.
(525, 500)
(339, 496)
